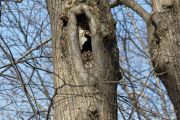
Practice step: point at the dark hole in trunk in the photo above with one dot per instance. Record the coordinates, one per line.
(64, 23)
(85, 41)
(87, 45)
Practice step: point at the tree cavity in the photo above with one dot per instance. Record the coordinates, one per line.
(85, 41)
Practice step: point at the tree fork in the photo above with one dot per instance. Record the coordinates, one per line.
(85, 59)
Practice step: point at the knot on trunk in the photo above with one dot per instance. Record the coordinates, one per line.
(93, 112)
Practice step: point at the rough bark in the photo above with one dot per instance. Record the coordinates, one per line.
(164, 45)
(85, 59)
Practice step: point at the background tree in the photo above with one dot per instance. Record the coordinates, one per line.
(163, 41)
(26, 65)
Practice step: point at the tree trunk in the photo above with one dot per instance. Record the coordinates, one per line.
(85, 59)
(164, 45)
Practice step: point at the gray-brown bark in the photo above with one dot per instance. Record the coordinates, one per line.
(85, 59)
(164, 39)
(164, 42)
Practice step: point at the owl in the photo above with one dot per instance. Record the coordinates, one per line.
(88, 59)
(83, 36)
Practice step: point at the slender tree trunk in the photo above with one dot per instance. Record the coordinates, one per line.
(164, 45)
(85, 59)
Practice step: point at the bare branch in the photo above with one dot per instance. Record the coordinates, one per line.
(134, 6)
(17, 1)
(28, 53)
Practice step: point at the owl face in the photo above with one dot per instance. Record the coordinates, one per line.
(82, 36)
(88, 59)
